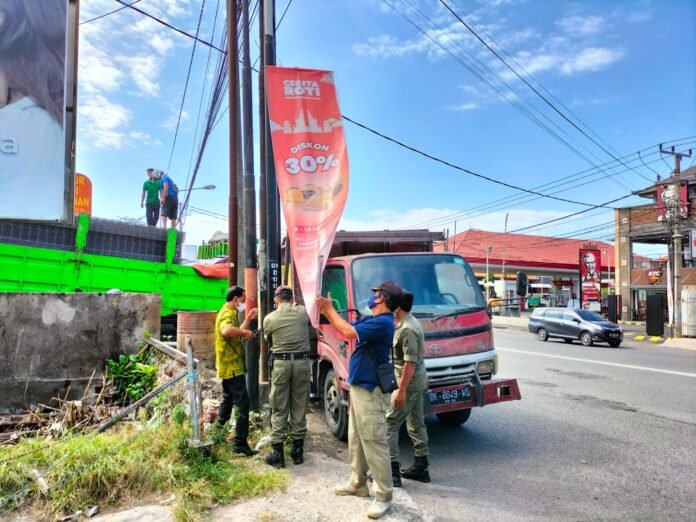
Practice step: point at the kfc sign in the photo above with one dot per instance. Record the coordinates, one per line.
(654, 275)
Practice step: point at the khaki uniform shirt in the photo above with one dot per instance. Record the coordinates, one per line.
(409, 342)
(229, 351)
(286, 329)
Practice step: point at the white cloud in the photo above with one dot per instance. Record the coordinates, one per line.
(144, 138)
(469, 106)
(102, 121)
(96, 70)
(170, 123)
(582, 24)
(161, 44)
(144, 71)
(591, 59)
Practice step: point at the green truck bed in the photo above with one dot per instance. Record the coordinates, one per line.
(37, 269)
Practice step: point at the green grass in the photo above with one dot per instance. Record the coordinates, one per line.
(154, 464)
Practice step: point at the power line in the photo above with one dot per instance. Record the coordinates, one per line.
(462, 169)
(109, 13)
(526, 82)
(170, 26)
(511, 95)
(188, 77)
(283, 15)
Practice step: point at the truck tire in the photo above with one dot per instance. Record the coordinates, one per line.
(336, 414)
(454, 418)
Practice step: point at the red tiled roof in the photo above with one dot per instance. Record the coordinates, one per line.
(524, 250)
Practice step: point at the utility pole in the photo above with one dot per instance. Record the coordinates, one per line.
(504, 254)
(232, 71)
(249, 206)
(676, 216)
(489, 249)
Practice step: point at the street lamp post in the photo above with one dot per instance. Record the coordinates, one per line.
(606, 253)
(487, 282)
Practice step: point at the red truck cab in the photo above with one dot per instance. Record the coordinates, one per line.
(460, 357)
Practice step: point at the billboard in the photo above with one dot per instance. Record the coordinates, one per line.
(669, 202)
(590, 280)
(83, 194)
(311, 160)
(33, 59)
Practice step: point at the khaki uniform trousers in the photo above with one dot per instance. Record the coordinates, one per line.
(367, 440)
(288, 398)
(412, 413)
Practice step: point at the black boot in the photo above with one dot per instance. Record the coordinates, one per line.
(396, 474)
(242, 447)
(297, 452)
(419, 470)
(276, 458)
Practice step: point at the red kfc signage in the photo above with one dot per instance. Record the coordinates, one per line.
(654, 275)
(590, 282)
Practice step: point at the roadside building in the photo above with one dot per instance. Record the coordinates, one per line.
(653, 224)
(552, 264)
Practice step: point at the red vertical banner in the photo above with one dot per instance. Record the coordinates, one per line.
(311, 160)
(590, 279)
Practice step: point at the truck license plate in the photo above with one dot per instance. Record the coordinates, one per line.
(449, 395)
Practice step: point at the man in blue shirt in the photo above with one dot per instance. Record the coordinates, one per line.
(367, 419)
(169, 199)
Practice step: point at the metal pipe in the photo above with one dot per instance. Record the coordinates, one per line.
(233, 130)
(191, 371)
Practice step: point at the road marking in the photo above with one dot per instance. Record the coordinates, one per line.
(603, 363)
(655, 339)
(640, 338)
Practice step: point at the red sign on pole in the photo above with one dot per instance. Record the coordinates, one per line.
(311, 161)
(83, 195)
(590, 281)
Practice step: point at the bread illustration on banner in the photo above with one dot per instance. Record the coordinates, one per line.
(313, 197)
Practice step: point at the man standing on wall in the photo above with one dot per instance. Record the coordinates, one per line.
(367, 423)
(287, 332)
(230, 336)
(169, 200)
(407, 400)
(151, 189)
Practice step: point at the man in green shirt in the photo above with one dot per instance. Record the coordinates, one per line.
(230, 336)
(151, 189)
(287, 332)
(407, 400)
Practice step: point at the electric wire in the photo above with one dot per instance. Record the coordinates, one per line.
(186, 84)
(173, 28)
(511, 95)
(542, 87)
(525, 81)
(109, 13)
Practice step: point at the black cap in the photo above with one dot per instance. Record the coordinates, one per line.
(284, 291)
(390, 287)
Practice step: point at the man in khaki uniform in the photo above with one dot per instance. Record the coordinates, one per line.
(407, 401)
(287, 332)
(368, 448)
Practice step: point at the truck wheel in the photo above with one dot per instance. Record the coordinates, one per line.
(542, 334)
(454, 418)
(586, 338)
(336, 414)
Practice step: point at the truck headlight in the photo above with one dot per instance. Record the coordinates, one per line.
(485, 367)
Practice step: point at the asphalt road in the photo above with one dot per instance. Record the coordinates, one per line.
(600, 434)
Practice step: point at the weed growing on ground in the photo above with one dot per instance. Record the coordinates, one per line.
(151, 464)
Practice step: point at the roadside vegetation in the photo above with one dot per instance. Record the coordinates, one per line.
(148, 459)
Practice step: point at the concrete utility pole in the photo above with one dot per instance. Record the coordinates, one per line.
(489, 249)
(675, 211)
(234, 131)
(504, 254)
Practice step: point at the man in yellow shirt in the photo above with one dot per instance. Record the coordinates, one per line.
(230, 336)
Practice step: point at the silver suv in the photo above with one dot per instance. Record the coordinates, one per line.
(574, 324)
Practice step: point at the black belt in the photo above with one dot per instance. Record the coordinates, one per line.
(291, 356)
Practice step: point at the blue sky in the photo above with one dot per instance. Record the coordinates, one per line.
(625, 69)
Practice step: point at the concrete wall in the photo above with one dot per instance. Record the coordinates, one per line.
(50, 343)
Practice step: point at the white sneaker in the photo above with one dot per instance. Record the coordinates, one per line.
(348, 489)
(378, 509)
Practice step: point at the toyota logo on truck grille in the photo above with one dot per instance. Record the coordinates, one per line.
(435, 349)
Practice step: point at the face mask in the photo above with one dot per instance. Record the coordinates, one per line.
(241, 307)
(373, 301)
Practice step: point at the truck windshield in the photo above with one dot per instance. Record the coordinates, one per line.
(440, 283)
